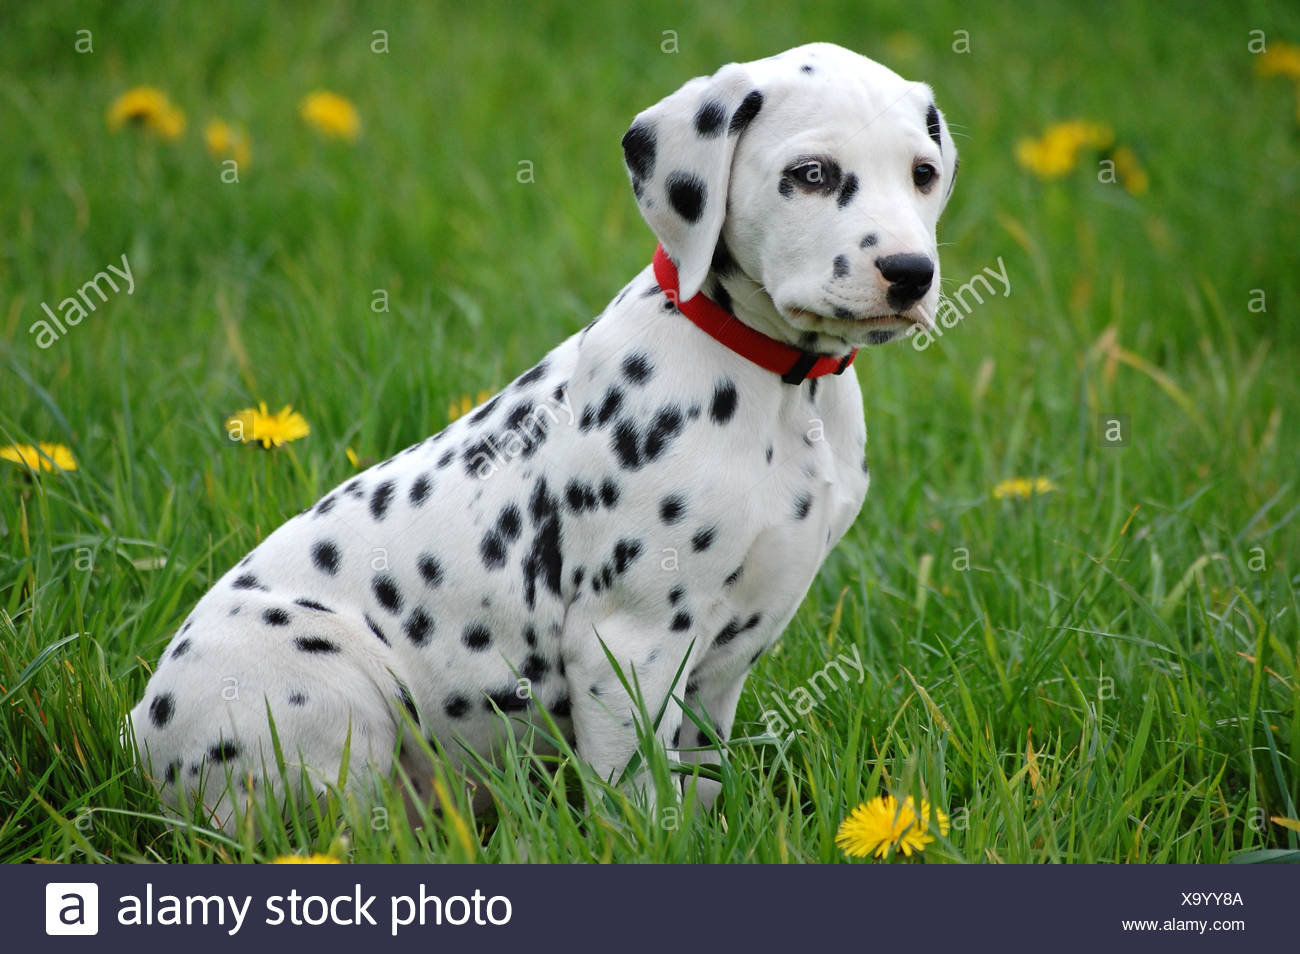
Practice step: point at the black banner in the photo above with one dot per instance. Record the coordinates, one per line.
(635, 908)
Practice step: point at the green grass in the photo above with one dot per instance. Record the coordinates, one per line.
(1107, 672)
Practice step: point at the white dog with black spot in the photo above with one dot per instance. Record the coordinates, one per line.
(663, 485)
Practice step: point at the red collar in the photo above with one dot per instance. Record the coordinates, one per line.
(794, 366)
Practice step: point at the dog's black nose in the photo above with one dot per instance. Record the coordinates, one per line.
(909, 277)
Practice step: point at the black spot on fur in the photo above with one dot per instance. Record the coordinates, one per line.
(507, 700)
(311, 605)
(456, 706)
(493, 550)
(418, 627)
(326, 505)
(509, 522)
(474, 454)
(932, 126)
(840, 267)
(841, 312)
(735, 627)
(848, 189)
(517, 415)
(315, 644)
(681, 622)
(724, 402)
(404, 697)
(325, 555)
(581, 496)
(447, 457)
(879, 337)
(374, 628)
(380, 499)
(672, 508)
(247, 582)
(703, 539)
(562, 707)
(768, 453)
(275, 617)
(224, 751)
(734, 576)
(802, 506)
(477, 637)
(624, 444)
(687, 195)
(420, 490)
(639, 150)
(534, 668)
(676, 593)
(637, 367)
(868, 240)
(161, 709)
(544, 558)
(625, 552)
(534, 373)
(485, 410)
(609, 493)
(386, 591)
(430, 569)
(786, 187)
(709, 119)
(181, 649)
(745, 112)
(806, 68)
(609, 407)
(169, 776)
(667, 425)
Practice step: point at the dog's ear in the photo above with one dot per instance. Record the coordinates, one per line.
(678, 153)
(937, 127)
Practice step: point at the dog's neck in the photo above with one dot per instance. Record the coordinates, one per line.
(749, 301)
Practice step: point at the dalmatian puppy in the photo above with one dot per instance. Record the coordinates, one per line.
(662, 487)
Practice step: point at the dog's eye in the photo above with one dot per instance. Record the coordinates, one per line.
(923, 174)
(809, 173)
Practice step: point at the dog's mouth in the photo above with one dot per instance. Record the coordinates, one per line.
(843, 321)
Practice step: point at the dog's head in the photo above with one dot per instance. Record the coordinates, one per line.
(817, 173)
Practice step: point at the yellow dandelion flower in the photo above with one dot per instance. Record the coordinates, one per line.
(42, 456)
(882, 823)
(1132, 176)
(225, 141)
(1023, 487)
(256, 424)
(1056, 152)
(1046, 160)
(316, 859)
(462, 405)
(1281, 59)
(331, 114)
(147, 107)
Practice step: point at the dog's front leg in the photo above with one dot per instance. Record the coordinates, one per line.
(609, 706)
(715, 705)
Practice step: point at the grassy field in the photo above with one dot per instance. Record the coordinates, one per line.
(1104, 671)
